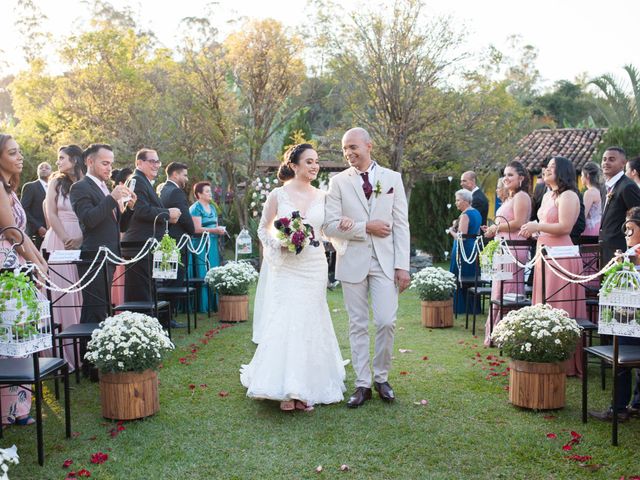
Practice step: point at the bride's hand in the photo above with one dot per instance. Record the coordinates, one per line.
(346, 224)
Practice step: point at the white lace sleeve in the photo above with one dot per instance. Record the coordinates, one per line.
(272, 249)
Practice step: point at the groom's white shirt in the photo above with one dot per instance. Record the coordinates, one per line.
(346, 198)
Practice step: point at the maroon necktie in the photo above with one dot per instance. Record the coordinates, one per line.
(366, 186)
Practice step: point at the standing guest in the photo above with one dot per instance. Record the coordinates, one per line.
(539, 189)
(32, 200)
(119, 177)
(98, 213)
(514, 212)
(633, 170)
(205, 219)
(16, 400)
(622, 194)
(469, 181)
(173, 195)
(141, 221)
(592, 179)
(468, 223)
(558, 213)
(502, 192)
(64, 234)
(623, 377)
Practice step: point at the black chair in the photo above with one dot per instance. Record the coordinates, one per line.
(521, 296)
(160, 309)
(185, 291)
(464, 283)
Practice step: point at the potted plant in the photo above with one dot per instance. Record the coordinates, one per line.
(232, 281)
(127, 349)
(435, 287)
(24, 314)
(492, 262)
(166, 257)
(619, 301)
(538, 339)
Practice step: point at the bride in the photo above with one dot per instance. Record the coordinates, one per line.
(298, 360)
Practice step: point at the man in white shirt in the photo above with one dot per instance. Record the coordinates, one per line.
(32, 200)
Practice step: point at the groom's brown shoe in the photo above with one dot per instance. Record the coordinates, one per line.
(385, 391)
(361, 395)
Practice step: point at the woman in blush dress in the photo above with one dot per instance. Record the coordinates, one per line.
(205, 219)
(64, 234)
(557, 215)
(633, 170)
(16, 401)
(592, 179)
(514, 212)
(119, 177)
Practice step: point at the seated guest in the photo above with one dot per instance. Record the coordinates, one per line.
(623, 377)
(514, 212)
(558, 214)
(142, 223)
(64, 234)
(32, 200)
(205, 219)
(173, 195)
(119, 177)
(468, 223)
(16, 400)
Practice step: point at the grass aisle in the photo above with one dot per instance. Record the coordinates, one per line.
(207, 428)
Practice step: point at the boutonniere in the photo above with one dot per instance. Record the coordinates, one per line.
(609, 195)
(378, 189)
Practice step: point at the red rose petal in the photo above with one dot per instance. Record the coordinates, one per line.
(67, 463)
(191, 386)
(84, 473)
(425, 358)
(551, 435)
(575, 435)
(404, 372)
(567, 447)
(223, 393)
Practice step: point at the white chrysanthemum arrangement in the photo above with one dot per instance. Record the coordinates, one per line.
(539, 333)
(128, 342)
(434, 284)
(233, 278)
(8, 456)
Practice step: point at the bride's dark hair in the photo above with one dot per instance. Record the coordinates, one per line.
(292, 155)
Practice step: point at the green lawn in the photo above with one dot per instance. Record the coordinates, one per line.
(468, 429)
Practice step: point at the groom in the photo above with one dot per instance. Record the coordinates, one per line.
(367, 209)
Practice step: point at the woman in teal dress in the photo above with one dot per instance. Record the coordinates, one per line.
(468, 223)
(205, 219)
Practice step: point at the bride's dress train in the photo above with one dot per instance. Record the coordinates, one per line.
(298, 356)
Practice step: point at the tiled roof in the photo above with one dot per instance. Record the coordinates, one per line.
(576, 144)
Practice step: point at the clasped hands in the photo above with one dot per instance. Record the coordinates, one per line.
(529, 229)
(377, 228)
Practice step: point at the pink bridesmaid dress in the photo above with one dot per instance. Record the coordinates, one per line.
(66, 307)
(561, 294)
(516, 284)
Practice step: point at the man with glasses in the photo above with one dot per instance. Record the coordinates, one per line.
(141, 222)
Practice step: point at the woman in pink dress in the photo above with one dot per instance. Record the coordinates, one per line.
(557, 215)
(64, 234)
(16, 401)
(512, 214)
(592, 198)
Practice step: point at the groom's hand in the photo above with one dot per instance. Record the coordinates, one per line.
(402, 279)
(378, 228)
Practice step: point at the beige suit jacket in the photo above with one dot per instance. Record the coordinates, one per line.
(346, 198)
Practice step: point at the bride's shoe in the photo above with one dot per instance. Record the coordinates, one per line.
(303, 406)
(287, 405)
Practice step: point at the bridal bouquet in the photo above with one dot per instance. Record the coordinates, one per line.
(294, 234)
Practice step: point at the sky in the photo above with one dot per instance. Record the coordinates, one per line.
(573, 37)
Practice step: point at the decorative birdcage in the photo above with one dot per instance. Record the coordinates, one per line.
(166, 258)
(620, 301)
(25, 325)
(494, 260)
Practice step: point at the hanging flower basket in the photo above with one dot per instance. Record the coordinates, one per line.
(166, 258)
(620, 301)
(494, 261)
(25, 325)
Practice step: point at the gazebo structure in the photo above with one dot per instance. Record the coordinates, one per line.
(576, 144)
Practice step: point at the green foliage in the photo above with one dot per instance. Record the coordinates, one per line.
(626, 137)
(429, 216)
(620, 102)
(168, 247)
(570, 106)
(17, 291)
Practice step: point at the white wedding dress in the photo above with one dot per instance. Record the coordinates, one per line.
(298, 356)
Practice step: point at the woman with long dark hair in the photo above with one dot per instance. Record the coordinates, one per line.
(557, 215)
(592, 179)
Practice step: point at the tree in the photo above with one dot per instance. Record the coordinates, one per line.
(620, 104)
(569, 105)
(29, 23)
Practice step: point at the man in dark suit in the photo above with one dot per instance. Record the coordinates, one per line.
(98, 213)
(479, 200)
(140, 223)
(173, 195)
(32, 200)
(622, 194)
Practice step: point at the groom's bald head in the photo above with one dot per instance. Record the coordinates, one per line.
(356, 148)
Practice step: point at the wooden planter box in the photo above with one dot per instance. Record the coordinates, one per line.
(233, 308)
(129, 395)
(437, 314)
(540, 386)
